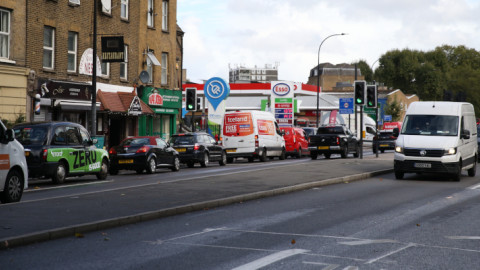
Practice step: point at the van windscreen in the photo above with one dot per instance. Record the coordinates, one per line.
(430, 125)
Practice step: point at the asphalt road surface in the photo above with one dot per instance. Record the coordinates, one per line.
(422, 222)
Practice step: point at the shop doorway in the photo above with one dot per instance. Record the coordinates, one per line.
(116, 131)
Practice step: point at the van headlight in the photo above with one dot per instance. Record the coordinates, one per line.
(451, 151)
(398, 149)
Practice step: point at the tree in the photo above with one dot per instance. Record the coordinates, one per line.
(365, 70)
(394, 109)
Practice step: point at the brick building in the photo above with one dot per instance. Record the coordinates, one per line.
(334, 78)
(49, 41)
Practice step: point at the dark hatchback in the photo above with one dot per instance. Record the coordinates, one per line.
(385, 141)
(143, 153)
(198, 147)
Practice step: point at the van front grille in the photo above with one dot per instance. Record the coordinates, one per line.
(418, 152)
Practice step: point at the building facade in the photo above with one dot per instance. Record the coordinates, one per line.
(50, 55)
(14, 75)
(334, 78)
(242, 74)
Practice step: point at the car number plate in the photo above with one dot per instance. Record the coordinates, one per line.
(384, 145)
(231, 150)
(181, 149)
(125, 161)
(322, 148)
(423, 165)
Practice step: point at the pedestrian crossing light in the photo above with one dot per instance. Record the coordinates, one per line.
(191, 99)
(371, 96)
(360, 87)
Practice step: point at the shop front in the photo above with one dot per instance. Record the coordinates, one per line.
(165, 105)
(64, 101)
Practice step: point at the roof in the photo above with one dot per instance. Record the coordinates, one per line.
(120, 102)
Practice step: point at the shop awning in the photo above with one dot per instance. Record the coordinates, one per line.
(120, 102)
(72, 105)
(154, 59)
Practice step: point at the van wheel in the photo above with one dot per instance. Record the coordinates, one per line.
(60, 173)
(204, 162)
(399, 175)
(456, 176)
(13, 190)
(102, 175)
(357, 152)
(344, 152)
(283, 154)
(327, 155)
(472, 171)
(263, 157)
(299, 153)
(223, 159)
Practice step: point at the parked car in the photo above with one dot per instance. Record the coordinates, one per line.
(13, 167)
(385, 141)
(310, 130)
(198, 147)
(143, 153)
(296, 143)
(60, 149)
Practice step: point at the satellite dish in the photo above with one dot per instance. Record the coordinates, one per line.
(144, 77)
(107, 5)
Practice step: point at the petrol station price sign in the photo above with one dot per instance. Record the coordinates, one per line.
(284, 111)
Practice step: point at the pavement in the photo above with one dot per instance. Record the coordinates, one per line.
(42, 220)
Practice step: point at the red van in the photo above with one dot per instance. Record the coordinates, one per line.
(296, 142)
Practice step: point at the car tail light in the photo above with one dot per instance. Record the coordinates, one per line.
(196, 147)
(44, 154)
(143, 149)
(256, 141)
(112, 151)
(338, 140)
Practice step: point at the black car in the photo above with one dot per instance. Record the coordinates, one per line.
(143, 153)
(385, 141)
(198, 147)
(60, 149)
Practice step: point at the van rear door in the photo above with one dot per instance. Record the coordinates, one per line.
(238, 133)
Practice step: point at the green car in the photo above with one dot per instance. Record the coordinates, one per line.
(58, 150)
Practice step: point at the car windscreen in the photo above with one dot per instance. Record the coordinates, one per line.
(182, 140)
(430, 125)
(330, 130)
(32, 135)
(135, 142)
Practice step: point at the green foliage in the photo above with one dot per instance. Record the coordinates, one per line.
(393, 108)
(20, 119)
(365, 70)
(429, 74)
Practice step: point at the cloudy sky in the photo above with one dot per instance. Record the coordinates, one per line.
(219, 33)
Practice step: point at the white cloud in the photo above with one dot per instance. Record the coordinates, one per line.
(259, 32)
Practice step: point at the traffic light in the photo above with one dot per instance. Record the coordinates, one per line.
(198, 103)
(371, 96)
(360, 92)
(191, 99)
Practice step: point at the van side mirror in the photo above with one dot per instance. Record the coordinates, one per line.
(8, 136)
(396, 132)
(465, 134)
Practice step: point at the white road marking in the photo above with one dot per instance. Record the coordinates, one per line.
(368, 242)
(262, 262)
(463, 237)
(475, 187)
(328, 266)
(32, 189)
(390, 253)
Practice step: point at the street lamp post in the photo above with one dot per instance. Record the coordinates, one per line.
(318, 71)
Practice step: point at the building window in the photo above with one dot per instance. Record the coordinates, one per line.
(164, 68)
(124, 65)
(105, 69)
(165, 16)
(4, 34)
(48, 47)
(124, 9)
(150, 14)
(72, 51)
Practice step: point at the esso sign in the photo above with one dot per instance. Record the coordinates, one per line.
(281, 89)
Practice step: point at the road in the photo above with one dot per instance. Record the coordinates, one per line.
(422, 222)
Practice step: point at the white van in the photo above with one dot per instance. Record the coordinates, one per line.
(437, 137)
(13, 167)
(252, 134)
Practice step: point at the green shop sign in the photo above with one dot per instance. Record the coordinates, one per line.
(163, 98)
